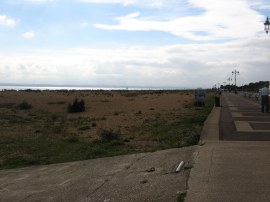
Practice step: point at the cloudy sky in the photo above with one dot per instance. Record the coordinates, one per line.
(157, 43)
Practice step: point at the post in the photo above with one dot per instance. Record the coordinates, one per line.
(267, 25)
(229, 79)
(235, 72)
(267, 28)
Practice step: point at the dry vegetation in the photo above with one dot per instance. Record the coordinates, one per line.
(114, 123)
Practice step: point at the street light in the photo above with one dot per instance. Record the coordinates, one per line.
(266, 28)
(267, 25)
(235, 73)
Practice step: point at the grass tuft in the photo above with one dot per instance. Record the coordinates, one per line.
(181, 197)
(24, 106)
(109, 135)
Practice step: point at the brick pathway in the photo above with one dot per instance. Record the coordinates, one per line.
(241, 119)
(227, 170)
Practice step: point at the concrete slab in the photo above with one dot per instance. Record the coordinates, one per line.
(211, 126)
(233, 108)
(246, 126)
(236, 114)
(257, 125)
(121, 178)
(243, 126)
(235, 171)
(231, 171)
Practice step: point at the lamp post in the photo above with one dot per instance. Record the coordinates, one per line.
(267, 25)
(235, 73)
(266, 28)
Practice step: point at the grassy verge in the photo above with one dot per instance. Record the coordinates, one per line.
(32, 137)
(175, 130)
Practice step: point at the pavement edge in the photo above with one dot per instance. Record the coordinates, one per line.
(200, 172)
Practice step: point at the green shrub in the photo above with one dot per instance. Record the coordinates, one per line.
(14, 161)
(84, 128)
(109, 135)
(24, 106)
(188, 138)
(76, 106)
(138, 113)
(181, 197)
(73, 139)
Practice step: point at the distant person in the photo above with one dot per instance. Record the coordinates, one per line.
(265, 99)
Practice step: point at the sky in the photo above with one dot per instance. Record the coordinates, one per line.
(145, 43)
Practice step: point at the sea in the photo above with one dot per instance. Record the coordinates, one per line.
(70, 87)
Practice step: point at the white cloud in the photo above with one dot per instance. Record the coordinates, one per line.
(6, 21)
(220, 19)
(84, 24)
(190, 65)
(260, 4)
(194, 65)
(29, 35)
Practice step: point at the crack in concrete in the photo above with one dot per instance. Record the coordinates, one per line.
(136, 160)
(113, 175)
(99, 187)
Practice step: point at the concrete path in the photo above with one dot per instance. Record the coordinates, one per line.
(228, 171)
(122, 178)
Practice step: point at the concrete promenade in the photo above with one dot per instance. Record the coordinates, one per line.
(234, 162)
(136, 177)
